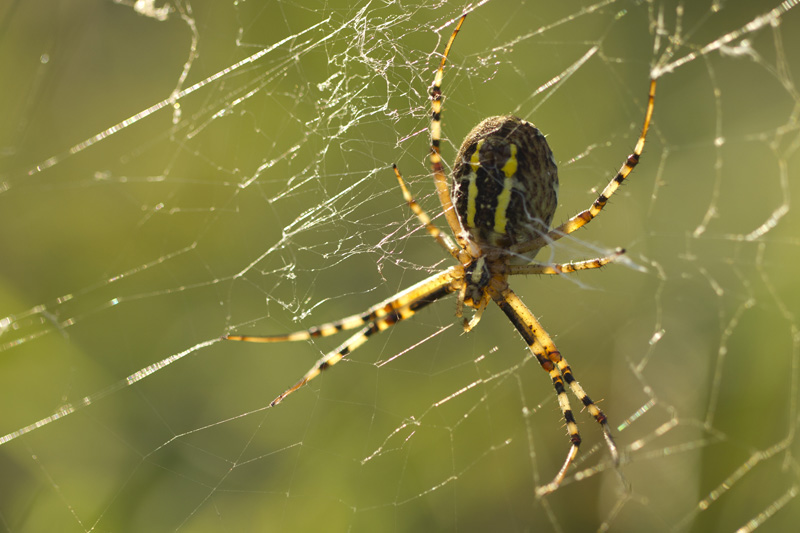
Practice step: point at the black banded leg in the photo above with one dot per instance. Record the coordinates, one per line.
(324, 330)
(523, 315)
(569, 418)
(376, 326)
(560, 372)
(552, 354)
(331, 358)
(565, 371)
(424, 290)
(558, 383)
(443, 239)
(377, 318)
(586, 216)
(439, 176)
(563, 268)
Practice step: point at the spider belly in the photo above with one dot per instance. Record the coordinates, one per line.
(505, 184)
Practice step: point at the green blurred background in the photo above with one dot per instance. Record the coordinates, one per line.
(263, 201)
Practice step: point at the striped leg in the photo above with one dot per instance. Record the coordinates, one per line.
(439, 177)
(563, 268)
(323, 330)
(377, 318)
(408, 297)
(423, 217)
(551, 361)
(333, 357)
(586, 216)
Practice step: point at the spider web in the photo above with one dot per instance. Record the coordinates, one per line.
(174, 171)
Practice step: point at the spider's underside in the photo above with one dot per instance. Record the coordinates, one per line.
(499, 206)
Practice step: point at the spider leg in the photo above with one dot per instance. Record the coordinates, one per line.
(323, 330)
(439, 177)
(441, 238)
(587, 215)
(542, 346)
(377, 318)
(376, 312)
(563, 268)
(331, 358)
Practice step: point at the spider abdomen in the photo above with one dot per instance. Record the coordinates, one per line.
(505, 182)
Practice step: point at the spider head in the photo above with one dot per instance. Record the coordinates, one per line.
(476, 278)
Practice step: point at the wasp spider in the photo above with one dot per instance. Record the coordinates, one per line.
(503, 195)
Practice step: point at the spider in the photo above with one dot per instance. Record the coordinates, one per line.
(503, 196)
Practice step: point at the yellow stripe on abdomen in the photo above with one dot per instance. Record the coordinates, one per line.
(472, 189)
(504, 198)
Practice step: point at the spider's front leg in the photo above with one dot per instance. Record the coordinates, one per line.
(377, 318)
(542, 346)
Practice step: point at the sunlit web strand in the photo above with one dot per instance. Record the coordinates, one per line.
(771, 17)
(81, 146)
(69, 408)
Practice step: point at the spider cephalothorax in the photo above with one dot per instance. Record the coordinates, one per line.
(499, 207)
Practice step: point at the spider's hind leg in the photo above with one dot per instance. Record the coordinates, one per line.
(587, 215)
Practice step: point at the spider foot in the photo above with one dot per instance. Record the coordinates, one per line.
(286, 393)
(612, 446)
(553, 485)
